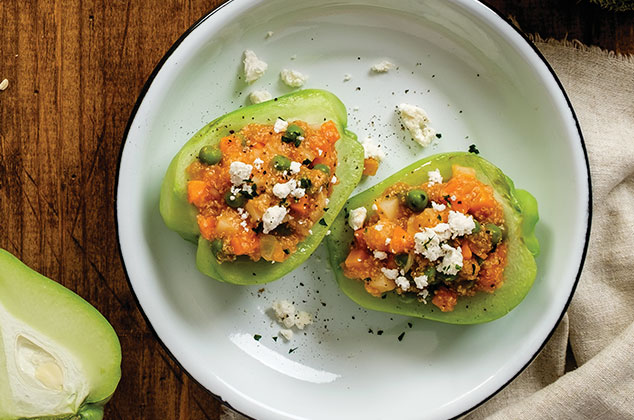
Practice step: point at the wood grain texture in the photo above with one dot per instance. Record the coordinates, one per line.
(75, 69)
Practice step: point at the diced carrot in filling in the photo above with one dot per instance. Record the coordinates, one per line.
(357, 259)
(401, 241)
(378, 236)
(197, 192)
(330, 132)
(466, 251)
(207, 226)
(261, 190)
(245, 243)
(445, 299)
(492, 270)
(370, 166)
(436, 241)
(476, 198)
(301, 206)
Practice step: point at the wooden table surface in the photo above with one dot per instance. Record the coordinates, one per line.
(75, 68)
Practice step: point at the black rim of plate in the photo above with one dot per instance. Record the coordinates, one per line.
(168, 54)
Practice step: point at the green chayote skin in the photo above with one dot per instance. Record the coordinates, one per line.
(520, 212)
(63, 318)
(312, 106)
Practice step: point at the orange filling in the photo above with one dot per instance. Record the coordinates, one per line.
(386, 255)
(235, 214)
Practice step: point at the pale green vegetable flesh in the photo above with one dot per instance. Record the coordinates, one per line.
(312, 106)
(59, 357)
(520, 212)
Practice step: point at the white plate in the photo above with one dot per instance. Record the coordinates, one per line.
(479, 81)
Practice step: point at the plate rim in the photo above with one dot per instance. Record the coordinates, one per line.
(158, 67)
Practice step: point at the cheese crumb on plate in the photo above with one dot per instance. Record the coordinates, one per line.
(254, 68)
(259, 96)
(416, 121)
(382, 67)
(293, 78)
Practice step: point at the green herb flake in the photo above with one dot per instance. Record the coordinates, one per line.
(292, 350)
(400, 337)
(257, 337)
(322, 222)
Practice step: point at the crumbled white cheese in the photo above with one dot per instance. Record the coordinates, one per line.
(285, 312)
(280, 125)
(328, 232)
(421, 281)
(347, 77)
(402, 282)
(357, 218)
(333, 180)
(423, 295)
(287, 334)
(382, 67)
(327, 201)
(371, 150)
(438, 206)
(460, 223)
(417, 123)
(390, 273)
(235, 189)
(427, 243)
(387, 241)
(298, 192)
(452, 260)
(380, 255)
(293, 78)
(434, 177)
(295, 167)
(257, 163)
(283, 190)
(302, 319)
(378, 227)
(443, 230)
(243, 214)
(320, 152)
(239, 172)
(286, 315)
(258, 96)
(273, 217)
(269, 34)
(375, 207)
(254, 68)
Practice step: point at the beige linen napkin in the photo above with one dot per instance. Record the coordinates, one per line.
(600, 321)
